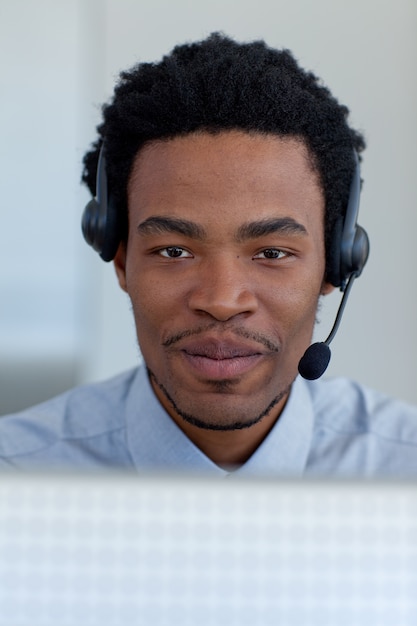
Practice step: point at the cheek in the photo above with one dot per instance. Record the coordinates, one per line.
(153, 301)
(293, 311)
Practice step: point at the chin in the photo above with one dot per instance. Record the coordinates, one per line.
(211, 412)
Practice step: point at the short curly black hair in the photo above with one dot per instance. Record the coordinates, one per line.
(219, 84)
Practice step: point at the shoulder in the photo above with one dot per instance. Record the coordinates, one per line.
(82, 413)
(345, 405)
(361, 431)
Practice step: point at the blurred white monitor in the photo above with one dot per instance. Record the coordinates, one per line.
(99, 550)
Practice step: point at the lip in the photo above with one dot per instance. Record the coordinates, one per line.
(220, 359)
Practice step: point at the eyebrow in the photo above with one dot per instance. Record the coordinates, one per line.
(260, 228)
(161, 224)
(252, 230)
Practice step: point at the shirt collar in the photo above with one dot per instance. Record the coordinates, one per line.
(285, 449)
(157, 443)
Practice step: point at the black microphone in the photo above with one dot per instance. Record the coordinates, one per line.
(317, 356)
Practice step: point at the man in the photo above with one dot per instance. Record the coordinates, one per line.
(223, 177)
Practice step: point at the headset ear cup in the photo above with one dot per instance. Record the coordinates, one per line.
(101, 225)
(360, 250)
(333, 263)
(102, 231)
(89, 222)
(353, 239)
(112, 232)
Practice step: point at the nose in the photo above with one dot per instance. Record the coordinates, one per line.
(223, 290)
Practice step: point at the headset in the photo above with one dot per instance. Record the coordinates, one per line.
(350, 242)
(101, 223)
(102, 227)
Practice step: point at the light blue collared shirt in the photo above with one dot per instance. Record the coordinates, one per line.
(329, 427)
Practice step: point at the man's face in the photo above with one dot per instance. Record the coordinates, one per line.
(224, 266)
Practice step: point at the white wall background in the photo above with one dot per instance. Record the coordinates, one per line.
(61, 311)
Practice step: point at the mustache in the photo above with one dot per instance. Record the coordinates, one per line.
(238, 331)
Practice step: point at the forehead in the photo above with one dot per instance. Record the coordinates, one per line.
(234, 172)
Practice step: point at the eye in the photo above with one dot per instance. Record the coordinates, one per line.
(271, 253)
(174, 252)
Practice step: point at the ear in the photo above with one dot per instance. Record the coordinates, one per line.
(326, 288)
(120, 265)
